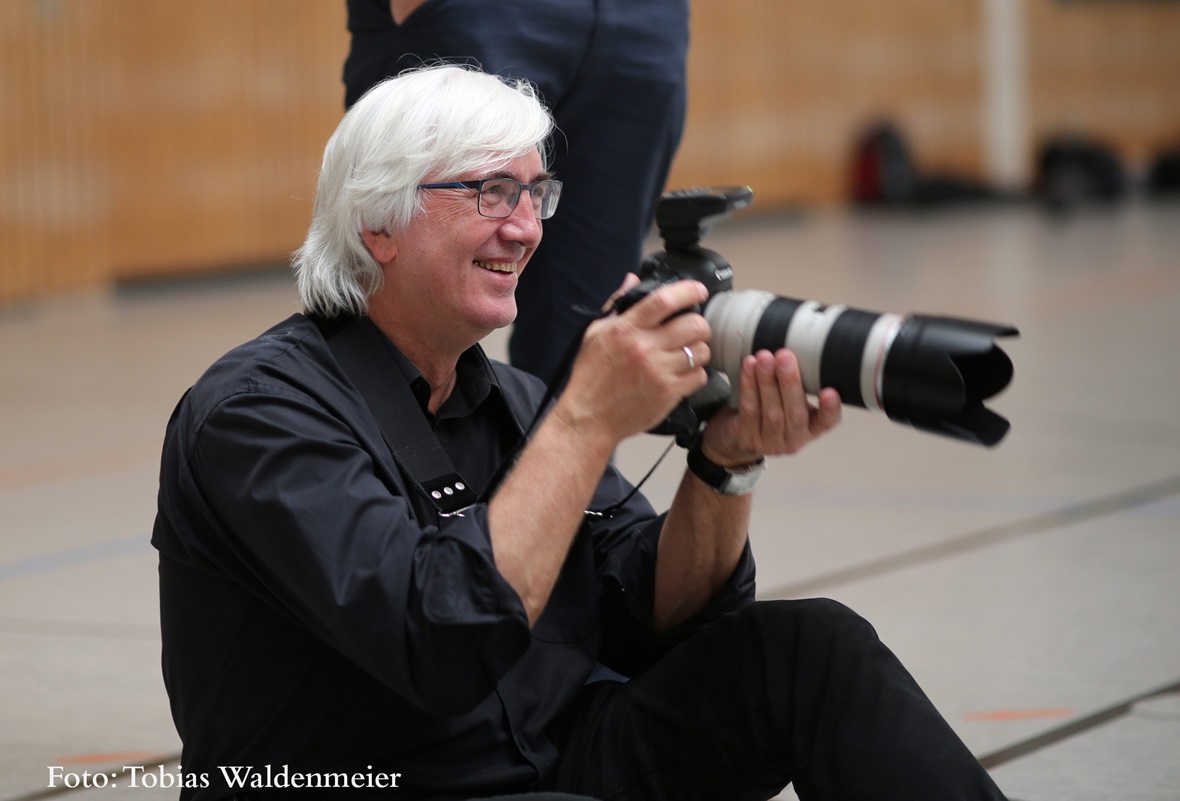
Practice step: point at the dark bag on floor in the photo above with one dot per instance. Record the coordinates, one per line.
(1164, 176)
(884, 173)
(1071, 171)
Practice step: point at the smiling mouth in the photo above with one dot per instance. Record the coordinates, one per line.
(497, 266)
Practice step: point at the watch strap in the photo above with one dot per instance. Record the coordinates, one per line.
(724, 480)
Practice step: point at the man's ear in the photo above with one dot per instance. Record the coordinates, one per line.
(381, 245)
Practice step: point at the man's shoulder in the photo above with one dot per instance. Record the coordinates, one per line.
(289, 354)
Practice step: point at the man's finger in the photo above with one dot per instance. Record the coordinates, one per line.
(773, 397)
(630, 281)
(666, 301)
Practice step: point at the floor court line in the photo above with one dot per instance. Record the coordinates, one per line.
(989, 761)
(115, 776)
(40, 564)
(993, 535)
(79, 628)
(1026, 747)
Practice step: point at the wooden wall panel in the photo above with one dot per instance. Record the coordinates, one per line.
(780, 90)
(151, 138)
(1109, 70)
(148, 138)
(215, 121)
(52, 188)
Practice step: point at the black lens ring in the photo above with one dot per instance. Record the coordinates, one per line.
(771, 331)
(842, 360)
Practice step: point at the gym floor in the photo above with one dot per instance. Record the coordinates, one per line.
(1031, 588)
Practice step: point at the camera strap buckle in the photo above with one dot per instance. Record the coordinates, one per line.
(359, 350)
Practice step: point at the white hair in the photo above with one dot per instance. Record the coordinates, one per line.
(431, 123)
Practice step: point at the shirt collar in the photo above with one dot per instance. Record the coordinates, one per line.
(474, 380)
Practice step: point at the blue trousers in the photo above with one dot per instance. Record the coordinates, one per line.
(613, 74)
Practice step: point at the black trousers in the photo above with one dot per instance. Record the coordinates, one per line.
(781, 692)
(799, 692)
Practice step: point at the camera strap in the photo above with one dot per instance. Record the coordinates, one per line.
(358, 348)
(361, 353)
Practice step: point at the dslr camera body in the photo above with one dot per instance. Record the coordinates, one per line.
(929, 372)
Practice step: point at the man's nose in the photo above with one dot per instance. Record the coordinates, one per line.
(522, 225)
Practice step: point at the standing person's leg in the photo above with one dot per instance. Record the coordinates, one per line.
(543, 41)
(619, 122)
(782, 691)
(613, 72)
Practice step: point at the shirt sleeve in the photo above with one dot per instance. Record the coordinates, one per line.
(306, 514)
(625, 553)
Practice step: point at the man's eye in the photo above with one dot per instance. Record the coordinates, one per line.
(494, 191)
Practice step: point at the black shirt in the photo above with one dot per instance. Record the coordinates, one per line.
(318, 614)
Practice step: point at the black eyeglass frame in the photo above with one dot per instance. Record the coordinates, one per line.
(478, 185)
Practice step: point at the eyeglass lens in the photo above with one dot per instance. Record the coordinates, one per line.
(498, 197)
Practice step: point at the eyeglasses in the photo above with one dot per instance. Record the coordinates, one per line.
(498, 196)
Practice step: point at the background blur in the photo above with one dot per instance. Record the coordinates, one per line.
(141, 139)
(157, 166)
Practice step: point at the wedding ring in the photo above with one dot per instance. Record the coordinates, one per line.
(692, 360)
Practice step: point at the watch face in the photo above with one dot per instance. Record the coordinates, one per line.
(740, 483)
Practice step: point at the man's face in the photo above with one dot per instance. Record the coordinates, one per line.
(455, 271)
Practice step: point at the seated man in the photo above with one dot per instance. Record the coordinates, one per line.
(332, 629)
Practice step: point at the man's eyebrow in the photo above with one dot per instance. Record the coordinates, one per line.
(541, 176)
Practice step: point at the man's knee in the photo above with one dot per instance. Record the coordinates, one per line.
(812, 618)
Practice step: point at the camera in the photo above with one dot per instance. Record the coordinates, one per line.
(930, 372)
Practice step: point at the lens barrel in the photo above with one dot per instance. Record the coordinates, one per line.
(932, 373)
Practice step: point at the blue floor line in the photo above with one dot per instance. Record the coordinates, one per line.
(73, 557)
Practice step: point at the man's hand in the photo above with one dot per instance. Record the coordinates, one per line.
(774, 416)
(633, 368)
